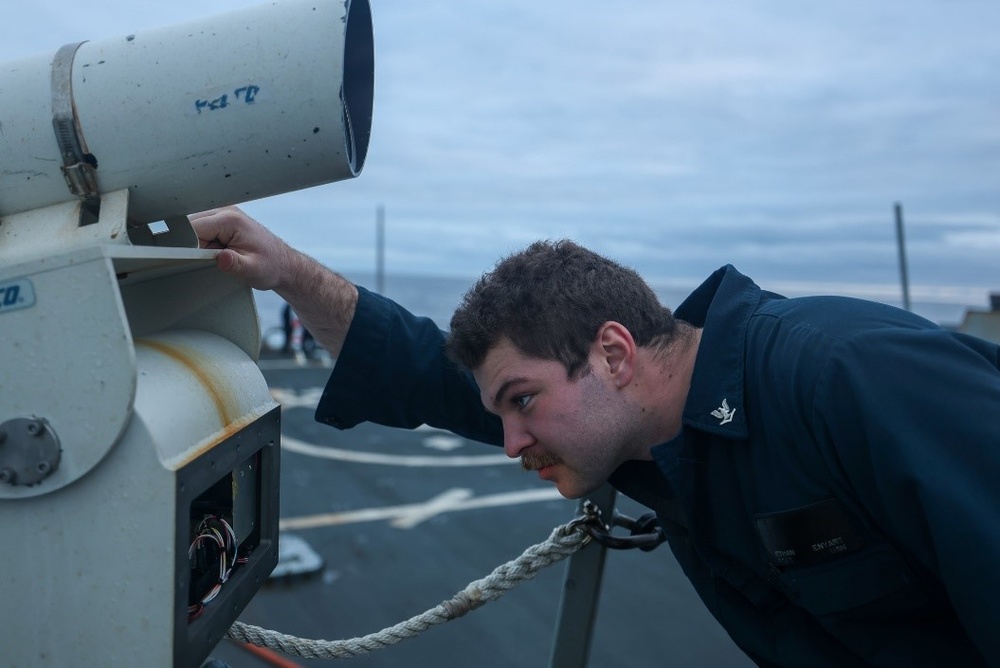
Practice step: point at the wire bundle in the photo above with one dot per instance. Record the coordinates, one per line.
(215, 531)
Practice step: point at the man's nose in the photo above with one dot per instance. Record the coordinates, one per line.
(515, 439)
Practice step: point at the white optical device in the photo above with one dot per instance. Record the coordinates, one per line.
(138, 439)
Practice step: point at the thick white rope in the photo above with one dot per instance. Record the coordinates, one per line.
(564, 541)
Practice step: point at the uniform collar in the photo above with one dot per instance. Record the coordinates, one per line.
(722, 306)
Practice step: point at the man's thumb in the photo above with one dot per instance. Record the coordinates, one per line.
(228, 261)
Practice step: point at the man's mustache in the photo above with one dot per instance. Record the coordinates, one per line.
(533, 461)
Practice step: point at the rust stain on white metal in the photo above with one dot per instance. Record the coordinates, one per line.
(223, 394)
(190, 362)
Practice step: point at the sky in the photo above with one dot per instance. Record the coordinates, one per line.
(674, 136)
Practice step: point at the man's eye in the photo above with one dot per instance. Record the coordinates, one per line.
(522, 400)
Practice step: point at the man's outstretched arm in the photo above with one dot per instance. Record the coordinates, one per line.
(393, 371)
(324, 300)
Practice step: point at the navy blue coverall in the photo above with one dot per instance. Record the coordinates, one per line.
(834, 495)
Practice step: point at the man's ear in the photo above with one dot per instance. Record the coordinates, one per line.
(616, 349)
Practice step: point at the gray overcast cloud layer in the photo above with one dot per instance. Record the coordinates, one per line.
(672, 136)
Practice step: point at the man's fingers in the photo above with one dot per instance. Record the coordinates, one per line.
(245, 247)
(202, 214)
(215, 229)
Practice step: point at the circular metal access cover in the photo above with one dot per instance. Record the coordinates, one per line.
(29, 451)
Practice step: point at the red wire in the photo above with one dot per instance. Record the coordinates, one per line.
(267, 655)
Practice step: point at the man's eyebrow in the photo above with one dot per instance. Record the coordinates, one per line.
(499, 396)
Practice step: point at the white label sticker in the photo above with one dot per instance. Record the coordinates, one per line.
(19, 293)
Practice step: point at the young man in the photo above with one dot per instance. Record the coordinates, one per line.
(825, 468)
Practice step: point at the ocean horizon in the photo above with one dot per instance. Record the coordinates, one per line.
(437, 297)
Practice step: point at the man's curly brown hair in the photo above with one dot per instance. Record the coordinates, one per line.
(549, 300)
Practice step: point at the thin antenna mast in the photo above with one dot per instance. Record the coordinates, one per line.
(901, 242)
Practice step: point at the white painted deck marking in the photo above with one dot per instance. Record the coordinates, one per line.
(410, 515)
(443, 442)
(305, 398)
(294, 363)
(438, 439)
(441, 503)
(302, 448)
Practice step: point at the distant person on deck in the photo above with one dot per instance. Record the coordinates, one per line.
(298, 338)
(287, 323)
(827, 470)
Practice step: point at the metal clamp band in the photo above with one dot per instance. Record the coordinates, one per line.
(79, 167)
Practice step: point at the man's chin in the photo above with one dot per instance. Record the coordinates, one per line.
(571, 495)
(571, 489)
(567, 484)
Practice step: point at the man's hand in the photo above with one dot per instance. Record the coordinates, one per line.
(324, 300)
(250, 251)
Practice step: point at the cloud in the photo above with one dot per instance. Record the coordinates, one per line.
(675, 136)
